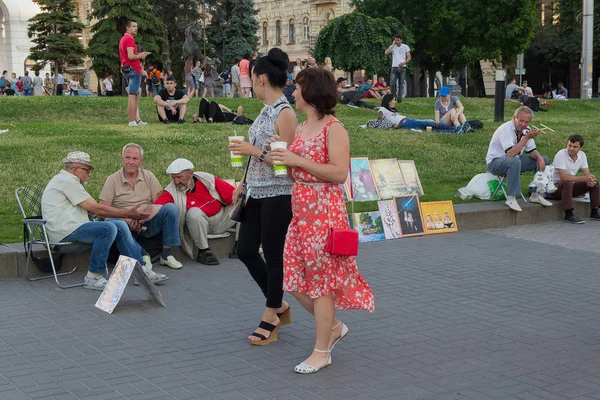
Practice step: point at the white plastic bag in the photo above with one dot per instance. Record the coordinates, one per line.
(481, 186)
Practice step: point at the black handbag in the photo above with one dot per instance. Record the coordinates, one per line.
(125, 69)
(238, 212)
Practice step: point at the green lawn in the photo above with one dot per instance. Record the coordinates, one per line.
(44, 129)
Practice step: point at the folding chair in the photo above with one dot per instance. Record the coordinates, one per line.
(501, 179)
(34, 230)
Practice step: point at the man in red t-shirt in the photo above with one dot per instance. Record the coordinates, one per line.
(130, 59)
(382, 87)
(204, 203)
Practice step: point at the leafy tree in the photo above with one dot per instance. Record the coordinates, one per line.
(365, 219)
(233, 27)
(452, 33)
(51, 31)
(112, 16)
(560, 43)
(356, 41)
(176, 16)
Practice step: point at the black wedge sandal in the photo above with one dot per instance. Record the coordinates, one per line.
(274, 329)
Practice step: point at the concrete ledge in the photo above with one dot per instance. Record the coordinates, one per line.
(469, 216)
(13, 257)
(494, 214)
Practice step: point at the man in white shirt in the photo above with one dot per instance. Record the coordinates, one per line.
(567, 163)
(505, 155)
(400, 57)
(65, 205)
(527, 89)
(108, 85)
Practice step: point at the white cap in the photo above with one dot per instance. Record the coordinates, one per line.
(181, 164)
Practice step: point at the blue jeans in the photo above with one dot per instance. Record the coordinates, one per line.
(165, 221)
(102, 235)
(511, 167)
(156, 89)
(397, 77)
(134, 80)
(27, 92)
(410, 123)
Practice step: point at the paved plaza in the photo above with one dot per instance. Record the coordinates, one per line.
(499, 314)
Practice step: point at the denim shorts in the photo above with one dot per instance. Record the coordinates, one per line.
(134, 80)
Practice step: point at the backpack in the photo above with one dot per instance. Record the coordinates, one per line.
(476, 124)
(155, 80)
(515, 94)
(533, 103)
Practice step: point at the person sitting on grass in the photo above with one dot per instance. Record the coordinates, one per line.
(171, 103)
(450, 111)
(350, 96)
(381, 86)
(389, 118)
(214, 112)
(370, 91)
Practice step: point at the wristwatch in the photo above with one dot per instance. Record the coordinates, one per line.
(263, 155)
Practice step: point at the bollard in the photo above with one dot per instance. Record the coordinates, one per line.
(500, 89)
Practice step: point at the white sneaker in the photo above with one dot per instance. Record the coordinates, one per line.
(155, 277)
(513, 205)
(540, 200)
(147, 261)
(171, 262)
(133, 123)
(141, 123)
(94, 283)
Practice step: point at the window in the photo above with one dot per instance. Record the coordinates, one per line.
(305, 29)
(291, 32)
(264, 33)
(277, 32)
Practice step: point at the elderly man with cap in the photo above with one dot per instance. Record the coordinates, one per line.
(65, 205)
(133, 185)
(204, 203)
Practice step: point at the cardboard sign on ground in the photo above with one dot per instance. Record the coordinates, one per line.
(111, 295)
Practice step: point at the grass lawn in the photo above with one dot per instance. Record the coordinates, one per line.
(42, 130)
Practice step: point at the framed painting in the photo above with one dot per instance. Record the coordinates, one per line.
(389, 219)
(363, 185)
(388, 178)
(411, 177)
(369, 226)
(409, 215)
(439, 217)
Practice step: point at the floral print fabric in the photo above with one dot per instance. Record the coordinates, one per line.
(317, 206)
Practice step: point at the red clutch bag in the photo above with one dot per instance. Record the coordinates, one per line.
(342, 242)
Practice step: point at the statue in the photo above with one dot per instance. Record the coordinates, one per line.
(193, 36)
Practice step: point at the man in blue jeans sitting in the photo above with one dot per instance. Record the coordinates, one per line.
(65, 205)
(132, 185)
(505, 155)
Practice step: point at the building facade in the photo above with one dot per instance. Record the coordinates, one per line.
(293, 25)
(15, 42)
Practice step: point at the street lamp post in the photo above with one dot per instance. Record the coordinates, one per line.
(587, 52)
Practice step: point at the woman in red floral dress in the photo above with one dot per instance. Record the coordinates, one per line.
(319, 159)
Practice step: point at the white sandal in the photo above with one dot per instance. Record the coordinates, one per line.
(309, 369)
(342, 334)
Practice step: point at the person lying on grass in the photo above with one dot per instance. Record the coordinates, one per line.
(389, 118)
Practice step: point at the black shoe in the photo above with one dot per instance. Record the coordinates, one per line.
(595, 216)
(206, 257)
(181, 121)
(233, 252)
(166, 121)
(572, 218)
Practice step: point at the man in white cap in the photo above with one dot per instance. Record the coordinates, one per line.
(204, 203)
(133, 185)
(65, 205)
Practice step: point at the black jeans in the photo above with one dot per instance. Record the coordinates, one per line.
(212, 110)
(265, 222)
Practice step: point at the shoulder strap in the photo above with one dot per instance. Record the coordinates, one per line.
(326, 128)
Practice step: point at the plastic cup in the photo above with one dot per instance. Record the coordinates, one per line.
(237, 160)
(429, 129)
(280, 170)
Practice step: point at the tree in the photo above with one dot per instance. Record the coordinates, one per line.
(452, 33)
(112, 19)
(233, 27)
(176, 16)
(356, 41)
(52, 32)
(560, 42)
